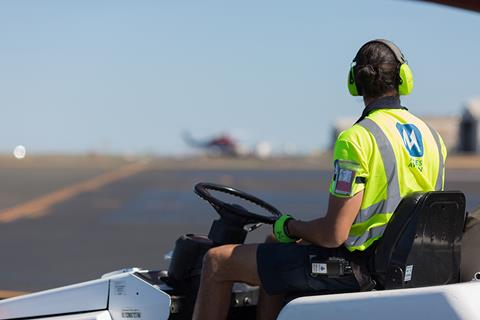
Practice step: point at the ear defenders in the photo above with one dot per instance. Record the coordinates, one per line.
(405, 75)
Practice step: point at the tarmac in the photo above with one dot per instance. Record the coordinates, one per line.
(69, 219)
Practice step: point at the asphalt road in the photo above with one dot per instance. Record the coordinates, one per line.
(134, 219)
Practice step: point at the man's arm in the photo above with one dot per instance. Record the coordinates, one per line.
(332, 230)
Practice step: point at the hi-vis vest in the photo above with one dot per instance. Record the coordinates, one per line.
(395, 154)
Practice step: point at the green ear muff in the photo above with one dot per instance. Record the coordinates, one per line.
(352, 86)
(406, 80)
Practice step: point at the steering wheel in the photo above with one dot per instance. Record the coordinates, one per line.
(202, 189)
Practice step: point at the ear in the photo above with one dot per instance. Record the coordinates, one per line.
(406, 80)
(352, 86)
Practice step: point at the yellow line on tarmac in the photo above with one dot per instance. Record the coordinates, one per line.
(5, 294)
(38, 207)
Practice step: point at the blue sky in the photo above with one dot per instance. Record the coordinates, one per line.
(130, 76)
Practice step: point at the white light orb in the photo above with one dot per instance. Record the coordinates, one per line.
(19, 152)
(263, 150)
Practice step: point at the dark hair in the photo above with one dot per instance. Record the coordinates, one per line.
(376, 70)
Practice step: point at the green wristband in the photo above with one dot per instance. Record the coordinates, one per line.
(279, 229)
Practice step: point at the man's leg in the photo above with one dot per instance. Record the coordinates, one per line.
(222, 266)
(269, 306)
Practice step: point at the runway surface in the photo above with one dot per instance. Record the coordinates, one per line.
(101, 215)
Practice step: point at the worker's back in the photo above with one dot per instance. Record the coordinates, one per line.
(397, 154)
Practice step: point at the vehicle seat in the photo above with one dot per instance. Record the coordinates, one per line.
(422, 242)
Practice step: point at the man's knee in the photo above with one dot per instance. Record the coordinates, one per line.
(215, 260)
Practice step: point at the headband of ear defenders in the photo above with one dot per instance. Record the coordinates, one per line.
(395, 50)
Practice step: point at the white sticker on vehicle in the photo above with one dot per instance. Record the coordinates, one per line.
(119, 288)
(131, 314)
(408, 273)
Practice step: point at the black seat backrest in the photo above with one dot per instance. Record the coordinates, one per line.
(421, 244)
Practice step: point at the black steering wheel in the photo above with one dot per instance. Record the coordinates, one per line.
(202, 189)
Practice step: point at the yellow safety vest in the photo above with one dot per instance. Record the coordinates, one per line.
(395, 154)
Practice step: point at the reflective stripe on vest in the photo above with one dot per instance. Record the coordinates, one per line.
(372, 221)
(441, 167)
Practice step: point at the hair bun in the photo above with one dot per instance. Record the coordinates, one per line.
(366, 74)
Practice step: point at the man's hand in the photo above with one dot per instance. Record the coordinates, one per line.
(280, 229)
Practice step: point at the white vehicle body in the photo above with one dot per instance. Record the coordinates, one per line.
(116, 296)
(448, 302)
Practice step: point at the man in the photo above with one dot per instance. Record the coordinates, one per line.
(386, 155)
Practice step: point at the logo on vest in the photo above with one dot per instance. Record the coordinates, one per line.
(412, 139)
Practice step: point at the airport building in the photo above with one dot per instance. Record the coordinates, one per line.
(470, 127)
(461, 133)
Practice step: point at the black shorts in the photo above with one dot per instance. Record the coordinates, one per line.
(286, 268)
